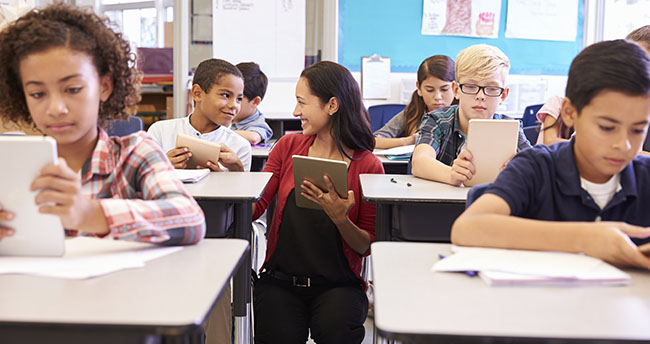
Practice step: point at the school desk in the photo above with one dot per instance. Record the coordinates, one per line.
(165, 302)
(240, 189)
(424, 210)
(393, 166)
(280, 122)
(415, 305)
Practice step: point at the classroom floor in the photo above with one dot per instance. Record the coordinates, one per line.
(366, 340)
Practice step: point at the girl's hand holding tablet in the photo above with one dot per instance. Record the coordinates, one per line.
(60, 194)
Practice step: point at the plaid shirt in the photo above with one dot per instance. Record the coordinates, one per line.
(138, 192)
(441, 130)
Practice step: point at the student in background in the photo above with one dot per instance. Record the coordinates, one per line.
(249, 122)
(440, 153)
(66, 72)
(217, 92)
(311, 277)
(553, 128)
(435, 76)
(589, 194)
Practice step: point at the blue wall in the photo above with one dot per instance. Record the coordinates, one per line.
(392, 28)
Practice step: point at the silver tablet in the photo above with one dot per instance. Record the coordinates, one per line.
(313, 169)
(36, 234)
(491, 142)
(201, 150)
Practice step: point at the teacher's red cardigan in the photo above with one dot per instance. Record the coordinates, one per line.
(281, 183)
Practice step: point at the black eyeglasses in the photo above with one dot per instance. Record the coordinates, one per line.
(490, 91)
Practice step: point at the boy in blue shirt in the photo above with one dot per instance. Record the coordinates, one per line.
(440, 153)
(589, 194)
(249, 122)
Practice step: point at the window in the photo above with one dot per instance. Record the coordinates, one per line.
(138, 20)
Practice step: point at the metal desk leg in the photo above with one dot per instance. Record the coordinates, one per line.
(384, 219)
(242, 280)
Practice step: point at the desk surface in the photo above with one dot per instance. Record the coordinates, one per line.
(378, 188)
(231, 186)
(170, 293)
(412, 301)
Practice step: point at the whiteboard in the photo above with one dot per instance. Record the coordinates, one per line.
(268, 32)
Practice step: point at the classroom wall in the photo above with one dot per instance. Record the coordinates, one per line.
(538, 68)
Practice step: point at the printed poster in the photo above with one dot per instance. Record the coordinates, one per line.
(552, 20)
(471, 18)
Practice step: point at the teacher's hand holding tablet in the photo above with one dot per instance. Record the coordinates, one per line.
(335, 207)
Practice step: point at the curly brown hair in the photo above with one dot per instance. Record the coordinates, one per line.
(61, 25)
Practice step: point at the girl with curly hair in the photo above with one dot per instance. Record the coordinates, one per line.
(65, 72)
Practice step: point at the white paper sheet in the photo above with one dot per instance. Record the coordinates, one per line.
(395, 150)
(552, 20)
(502, 266)
(472, 18)
(375, 77)
(86, 258)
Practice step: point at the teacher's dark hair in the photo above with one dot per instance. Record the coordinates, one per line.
(351, 123)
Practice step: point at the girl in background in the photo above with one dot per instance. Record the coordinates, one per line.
(434, 78)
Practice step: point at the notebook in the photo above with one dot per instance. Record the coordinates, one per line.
(191, 176)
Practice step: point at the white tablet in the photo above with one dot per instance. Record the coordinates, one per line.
(36, 234)
(492, 142)
(313, 169)
(201, 150)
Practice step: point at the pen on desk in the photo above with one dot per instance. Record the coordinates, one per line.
(392, 180)
(470, 273)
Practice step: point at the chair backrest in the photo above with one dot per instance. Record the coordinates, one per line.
(124, 127)
(381, 114)
(475, 192)
(530, 115)
(531, 133)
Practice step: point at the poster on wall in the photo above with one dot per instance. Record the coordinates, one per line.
(471, 18)
(551, 20)
(10, 10)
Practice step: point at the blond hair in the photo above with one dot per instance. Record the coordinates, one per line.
(481, 61)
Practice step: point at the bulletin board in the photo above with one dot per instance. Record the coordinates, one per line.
(393, 29)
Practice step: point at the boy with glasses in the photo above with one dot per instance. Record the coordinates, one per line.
(440, 153)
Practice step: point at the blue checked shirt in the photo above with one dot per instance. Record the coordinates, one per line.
(441, 130)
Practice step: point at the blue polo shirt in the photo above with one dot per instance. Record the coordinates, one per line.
(543, 183)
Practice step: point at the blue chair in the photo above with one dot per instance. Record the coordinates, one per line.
(124, 127)
(530, 115)
(475, 192)
(531, 133)
(381, 114)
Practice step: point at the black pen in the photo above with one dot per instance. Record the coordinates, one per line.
(392, 180)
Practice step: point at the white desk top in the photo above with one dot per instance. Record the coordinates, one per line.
(262, 151)
(378, 188)
(175, 290)
(410, 299)
(233, 186)
(283, 116)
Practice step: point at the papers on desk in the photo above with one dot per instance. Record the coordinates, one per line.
(191, 175)
(518, 267)
(396, 153)
(86, 258)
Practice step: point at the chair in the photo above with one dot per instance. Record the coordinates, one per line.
(381, 114)
(124, 127)
(531, 133)
(530, 115)
(475, 192)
